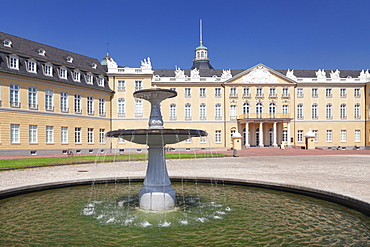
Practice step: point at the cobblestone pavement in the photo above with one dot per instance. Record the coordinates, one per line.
(348, 175)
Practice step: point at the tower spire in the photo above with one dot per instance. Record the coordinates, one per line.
(200, 32)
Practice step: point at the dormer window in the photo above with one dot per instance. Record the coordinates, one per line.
(63, 73)
(41, 52)
(94, 65)
(48, 69)
(89, 78)
(13, 62)
(69, 59)
(77, 75)
(7, 43)
(31, 66)
(101, 81)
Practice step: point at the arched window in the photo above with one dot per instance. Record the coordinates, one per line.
(259, 108)
(246, 108)
(173, 112)
(343, 111)
(357, 113)
(202, 54)
(272, 108)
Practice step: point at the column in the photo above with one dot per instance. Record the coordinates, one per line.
(274, 136)
(261, 135)
(288, 133)
(247, 144)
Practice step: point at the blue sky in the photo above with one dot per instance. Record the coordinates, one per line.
(296, 34)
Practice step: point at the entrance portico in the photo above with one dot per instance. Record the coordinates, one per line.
(262, 131)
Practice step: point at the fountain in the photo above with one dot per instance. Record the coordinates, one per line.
(157, 193)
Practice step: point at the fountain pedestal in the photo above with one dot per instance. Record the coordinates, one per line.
(157, 193)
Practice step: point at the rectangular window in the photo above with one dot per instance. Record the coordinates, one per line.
(202, 92)
(78, 135)
(64, 135)
(316, 132)
(218, 92)
(233, 92)
(13, 62)
(14, 134)
(138, 108)
(202, 112)
(285, 135)
(246, 92)
(285, 109)
(78, 104)
(90, 105)
(343, 135)
(63, 73)
(272, 92)
(300, 136)
(49, 134)
(187, 92)
(102, 107)
(259, 91)
(218, 136)
(49, 100)
(64, 102)
(138, 85)
(357, 135)
(314, 111)
(76, 76)
(218, 115)
(32, 98)
(187, 112)
(233, 112)
(31, 66)
(173, 89)
(101, 136)
(329, 111)
(329, 136)
(300, 111)
(173, 114)
(285, 92)
(343, 93)
(101, 82)
(89, 79)
(14, 96)
(328, 93)
(90, 135)
(48, 70)
(121, 111)
(32, 136)
(299, 92)
(357, 93)
(121, 86)
(314, 92)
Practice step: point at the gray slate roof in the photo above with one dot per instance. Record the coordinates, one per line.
(26, 49)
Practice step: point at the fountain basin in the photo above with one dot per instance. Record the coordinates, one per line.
(156, 136)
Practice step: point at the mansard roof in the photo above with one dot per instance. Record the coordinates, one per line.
(202, 72)
(312, 73)
(27, 49)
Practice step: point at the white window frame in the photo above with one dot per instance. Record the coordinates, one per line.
(89, 78)
(48, 69)
(343, 111)
(173, 112)
(329, 135)
(13, 62)
(64, 135)
(78, 139)
(187, 92)
(202, 92)
(77, 75)
(138, 85)
(357, 111)
(187, 111)
(299, 92)
(101, 81)
(138, 108)
(218, 112)
(232, 112)
(357, 135)
(300, 136)
(316, 132)
(15, 134)
(14, 95)
(31, 66)
(121, 107)
(32, 134)
(101, 136)
(217, 92)
(64, 102)
(329, 111)
(285, 109)
(77, 103)
(63, 73)
(343, 135)
(32, 98)
(90, 105)
(218, 136)
(102, 110)
(49, 100)
(314, 111)
(90, 135)
(202, 112)
(49, 135)
(121, 85)
(300, 111)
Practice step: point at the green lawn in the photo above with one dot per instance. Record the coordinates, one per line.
(24, 163)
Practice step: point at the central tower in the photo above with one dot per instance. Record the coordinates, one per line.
(201, 60)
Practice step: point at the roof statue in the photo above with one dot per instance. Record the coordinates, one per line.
(179, 74)
(146, 64)
(320, 74)
(194, 73)
(290, 74)
(259, 74)
(335, 75)
(364, 75)
(226, 74)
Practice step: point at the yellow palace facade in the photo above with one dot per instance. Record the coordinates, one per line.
(71, 112)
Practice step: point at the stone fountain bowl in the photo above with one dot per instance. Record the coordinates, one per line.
(156, 136)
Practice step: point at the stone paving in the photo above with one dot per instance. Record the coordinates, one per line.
(344, 174)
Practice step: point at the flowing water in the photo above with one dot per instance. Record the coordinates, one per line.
(206, 215)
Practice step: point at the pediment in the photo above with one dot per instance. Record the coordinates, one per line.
(260, 74)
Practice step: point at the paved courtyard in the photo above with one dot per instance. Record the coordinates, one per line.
(347, 175)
